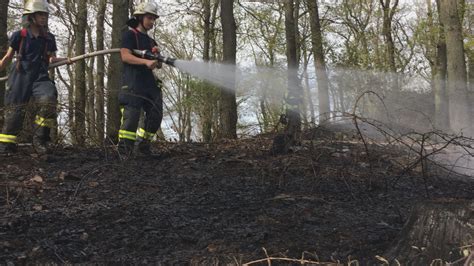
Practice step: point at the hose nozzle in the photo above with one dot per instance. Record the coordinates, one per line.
(167, 60)
(151, 56)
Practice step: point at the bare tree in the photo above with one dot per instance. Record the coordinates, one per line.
(319, 62)
(440, 74)
(282, 142)
(114, 75)
(459, 111)
(388, 13)
(99, 105)
(228, 105)
(90, 95)
(208, 35)
(80, 77)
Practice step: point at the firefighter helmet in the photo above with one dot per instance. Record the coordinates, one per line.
(146, 8)
(33, 6)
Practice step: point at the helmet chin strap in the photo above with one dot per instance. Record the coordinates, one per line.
(140, 21)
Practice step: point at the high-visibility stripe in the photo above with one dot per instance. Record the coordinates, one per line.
(145, 135)
(124, 134)
(121, 119)
(44, 122)
(7, 138)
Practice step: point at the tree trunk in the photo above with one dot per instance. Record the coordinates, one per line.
(91, 123)
(319, 62)
(228, 106)
(310, 99)
(305, 85)
(206, 5)
(80, 77)
(99, 105)
(69, 9)
(294, 98)
(206, 118)
(435, 230)
(3, 50)
(388, 12)
(114, 75)
(282, 142)
(439, 79)
(459, 111)
(469, 17)
(470, 63)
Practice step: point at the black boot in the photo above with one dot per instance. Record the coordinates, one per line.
(7, 148)
(125, 148)
(144, 149)
(41, 140)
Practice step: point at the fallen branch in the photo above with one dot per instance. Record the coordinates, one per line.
(301, 261)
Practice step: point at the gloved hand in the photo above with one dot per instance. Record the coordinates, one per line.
(156, 50)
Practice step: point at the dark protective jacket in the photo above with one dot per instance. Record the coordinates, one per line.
(31, 66)
(137, 81)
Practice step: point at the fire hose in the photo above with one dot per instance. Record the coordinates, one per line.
(140, 53)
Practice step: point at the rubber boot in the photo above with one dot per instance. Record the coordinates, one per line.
(125, 148)
(41, 140)
(144, 149)
(143, 146)
(7, 148)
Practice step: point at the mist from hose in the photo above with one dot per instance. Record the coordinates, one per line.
(404, 111)
(218, 74)
(402, 100)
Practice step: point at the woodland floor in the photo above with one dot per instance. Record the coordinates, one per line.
(208, 204)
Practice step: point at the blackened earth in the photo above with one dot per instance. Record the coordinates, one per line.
(212, 203)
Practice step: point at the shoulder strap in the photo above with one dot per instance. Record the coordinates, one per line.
(23, 34)
(136, 37)
(45, 53)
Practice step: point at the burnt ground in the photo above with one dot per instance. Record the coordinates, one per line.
(212, 203)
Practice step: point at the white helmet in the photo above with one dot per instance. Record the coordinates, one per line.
(146, 8)
(33, 6)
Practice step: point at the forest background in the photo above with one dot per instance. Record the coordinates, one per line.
(404, 62)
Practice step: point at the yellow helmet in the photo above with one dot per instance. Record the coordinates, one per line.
(146, 8)
(33, 6)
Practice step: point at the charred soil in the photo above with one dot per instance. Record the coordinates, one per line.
(213, 203)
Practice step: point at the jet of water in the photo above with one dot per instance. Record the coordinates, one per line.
(219, 74)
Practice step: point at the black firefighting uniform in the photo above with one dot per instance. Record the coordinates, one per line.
(140, 90)
(29, 79)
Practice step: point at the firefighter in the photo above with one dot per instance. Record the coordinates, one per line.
(140, 90)
(35, 48)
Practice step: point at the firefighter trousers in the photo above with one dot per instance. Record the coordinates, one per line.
(23, 86)
(131, 109)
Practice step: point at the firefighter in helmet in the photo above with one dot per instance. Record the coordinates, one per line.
(35, 49)
(140, 90)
